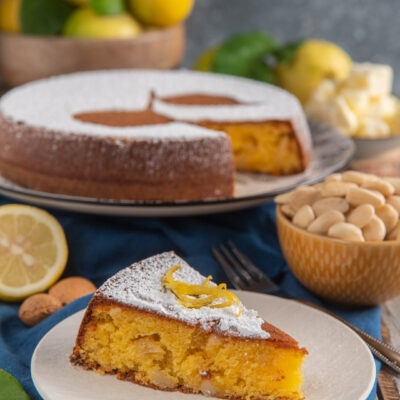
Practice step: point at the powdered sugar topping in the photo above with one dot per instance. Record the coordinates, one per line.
(51, 103)
(140, 285)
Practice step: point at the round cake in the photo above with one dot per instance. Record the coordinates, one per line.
(148, 135)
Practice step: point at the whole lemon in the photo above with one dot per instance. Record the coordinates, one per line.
(161, 13)
(10, 15)
(313, 61)
(85, 23)
(205, 60)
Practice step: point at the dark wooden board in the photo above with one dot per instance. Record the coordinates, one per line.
(387, 389)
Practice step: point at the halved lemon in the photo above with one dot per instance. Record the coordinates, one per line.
(33, 251)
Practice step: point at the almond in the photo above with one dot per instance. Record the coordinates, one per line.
(346, 231)
(357, 196)
(322, 224)
(330, 203)
(361, 215)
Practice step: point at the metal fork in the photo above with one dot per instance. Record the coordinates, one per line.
(244, 275)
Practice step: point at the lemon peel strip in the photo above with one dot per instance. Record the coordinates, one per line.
(197, 296)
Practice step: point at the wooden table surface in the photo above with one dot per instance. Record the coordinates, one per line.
(389, 384)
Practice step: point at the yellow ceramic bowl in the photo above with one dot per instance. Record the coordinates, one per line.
(354, 273)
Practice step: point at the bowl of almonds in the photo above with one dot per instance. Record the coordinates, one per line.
(341, 237)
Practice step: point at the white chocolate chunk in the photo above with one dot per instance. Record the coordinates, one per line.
(361, 215)
(381, 186)
(346, 231)
(344, 117)
(330, 203)
(324, 92)
(395, 202)
(336, 189)
(304, 216)
(389, 215)
(322, 224)
(372, 127)
(376, 79)
(382, 107)
(357, 100)
(357, 196)
(335, 112)
(375, 230)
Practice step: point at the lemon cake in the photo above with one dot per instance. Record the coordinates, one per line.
(148, 135)
(142, 326)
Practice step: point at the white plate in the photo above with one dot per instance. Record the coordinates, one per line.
(339, 365)
(331, 152)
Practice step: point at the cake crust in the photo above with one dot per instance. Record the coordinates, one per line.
(116, 168)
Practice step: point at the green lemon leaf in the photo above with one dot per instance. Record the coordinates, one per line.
(10, 387)
(262, 72)
(286, 53)
(44, 17)
(108, 7)
(241, 54)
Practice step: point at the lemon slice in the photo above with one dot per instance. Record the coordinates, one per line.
(33, 251)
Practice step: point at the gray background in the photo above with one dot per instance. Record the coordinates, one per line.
(368, 29)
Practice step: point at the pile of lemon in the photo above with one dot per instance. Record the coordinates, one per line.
(90, 18)
(298, 67)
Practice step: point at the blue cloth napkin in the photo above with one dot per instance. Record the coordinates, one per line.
(100, 246)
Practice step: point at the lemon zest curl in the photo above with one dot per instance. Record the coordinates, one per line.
(197, 296)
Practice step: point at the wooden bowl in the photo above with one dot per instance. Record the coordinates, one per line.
(25, 58)
(351, 273)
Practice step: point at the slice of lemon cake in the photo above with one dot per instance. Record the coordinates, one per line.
(160, 323)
